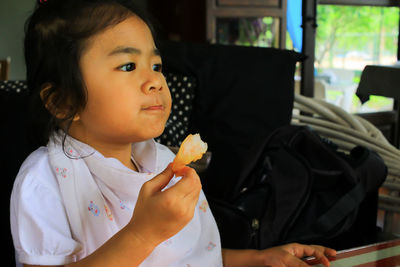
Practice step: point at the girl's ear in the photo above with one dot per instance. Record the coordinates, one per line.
(76, 117)
(48, 99)
(52, 102)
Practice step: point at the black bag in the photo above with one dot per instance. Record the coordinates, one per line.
(296, 187)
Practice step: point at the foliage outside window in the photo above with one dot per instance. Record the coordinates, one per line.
(347, 39)
(261, 32)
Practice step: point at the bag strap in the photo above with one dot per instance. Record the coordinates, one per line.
(343, 207)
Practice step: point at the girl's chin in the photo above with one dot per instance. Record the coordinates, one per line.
(155, 132)
(159, 133)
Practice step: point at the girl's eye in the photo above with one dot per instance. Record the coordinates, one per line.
(128, 67)
(157, 67)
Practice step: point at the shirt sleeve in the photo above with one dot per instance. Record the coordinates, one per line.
(39, 224)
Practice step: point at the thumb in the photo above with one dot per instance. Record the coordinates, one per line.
(161, 180)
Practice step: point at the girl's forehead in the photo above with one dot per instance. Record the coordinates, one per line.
(131, 31)
(132, 25)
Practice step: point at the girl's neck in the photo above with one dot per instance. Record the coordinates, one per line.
(119, 151)
(123, 154)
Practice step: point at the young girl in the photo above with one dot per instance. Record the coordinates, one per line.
(102, 192)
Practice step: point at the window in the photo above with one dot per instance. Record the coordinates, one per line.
(251, 23)
(347, 39)
(262, 32)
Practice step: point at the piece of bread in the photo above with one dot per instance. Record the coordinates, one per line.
(191, 149)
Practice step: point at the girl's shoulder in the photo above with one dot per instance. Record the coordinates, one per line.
(36, 199)
(37, 156)
(36, 162)
(35, 172)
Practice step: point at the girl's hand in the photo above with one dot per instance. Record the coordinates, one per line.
(159, 215)
(290, 255)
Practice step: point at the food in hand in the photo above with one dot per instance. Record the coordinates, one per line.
(191, 149)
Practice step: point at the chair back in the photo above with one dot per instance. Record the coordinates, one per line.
(382, 80)
(14, 141)
(4, 69)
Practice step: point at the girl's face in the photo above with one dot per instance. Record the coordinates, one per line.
(128, 98)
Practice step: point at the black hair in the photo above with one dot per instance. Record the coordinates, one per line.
(56, 35)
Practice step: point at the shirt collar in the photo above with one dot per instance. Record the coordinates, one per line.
(144, 153)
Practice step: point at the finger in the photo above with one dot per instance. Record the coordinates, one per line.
(324, 250)
(194, 183)
(161, 180)
(330, 252)
(189, 186)
(182, 171)
(318, 253)
(295, 262)
(192, 202)
(327, 252)
(176, 166)
(192, 198)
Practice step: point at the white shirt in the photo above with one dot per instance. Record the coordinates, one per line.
(40, 223)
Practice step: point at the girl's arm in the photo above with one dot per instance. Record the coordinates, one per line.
(241, 257)
(157, 216)
(287, 255)
(123, 249)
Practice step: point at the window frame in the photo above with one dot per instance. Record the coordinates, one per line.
(387, 3)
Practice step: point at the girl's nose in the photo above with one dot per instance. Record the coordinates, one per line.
(153, 83)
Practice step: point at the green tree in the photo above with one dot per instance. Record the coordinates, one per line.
(364, 27)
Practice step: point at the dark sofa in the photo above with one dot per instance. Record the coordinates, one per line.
(242, 95)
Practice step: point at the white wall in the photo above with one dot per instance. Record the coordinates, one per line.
(13, 14)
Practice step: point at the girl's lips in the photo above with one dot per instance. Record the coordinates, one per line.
(156, 107)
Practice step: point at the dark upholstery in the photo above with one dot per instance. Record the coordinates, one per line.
(13, 106)
(182, 89)
(243, 93)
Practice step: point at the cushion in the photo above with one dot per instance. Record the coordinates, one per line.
(14, 87)
(182, 92)
(13, 106)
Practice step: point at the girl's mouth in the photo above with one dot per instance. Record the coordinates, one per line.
(155, 107)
